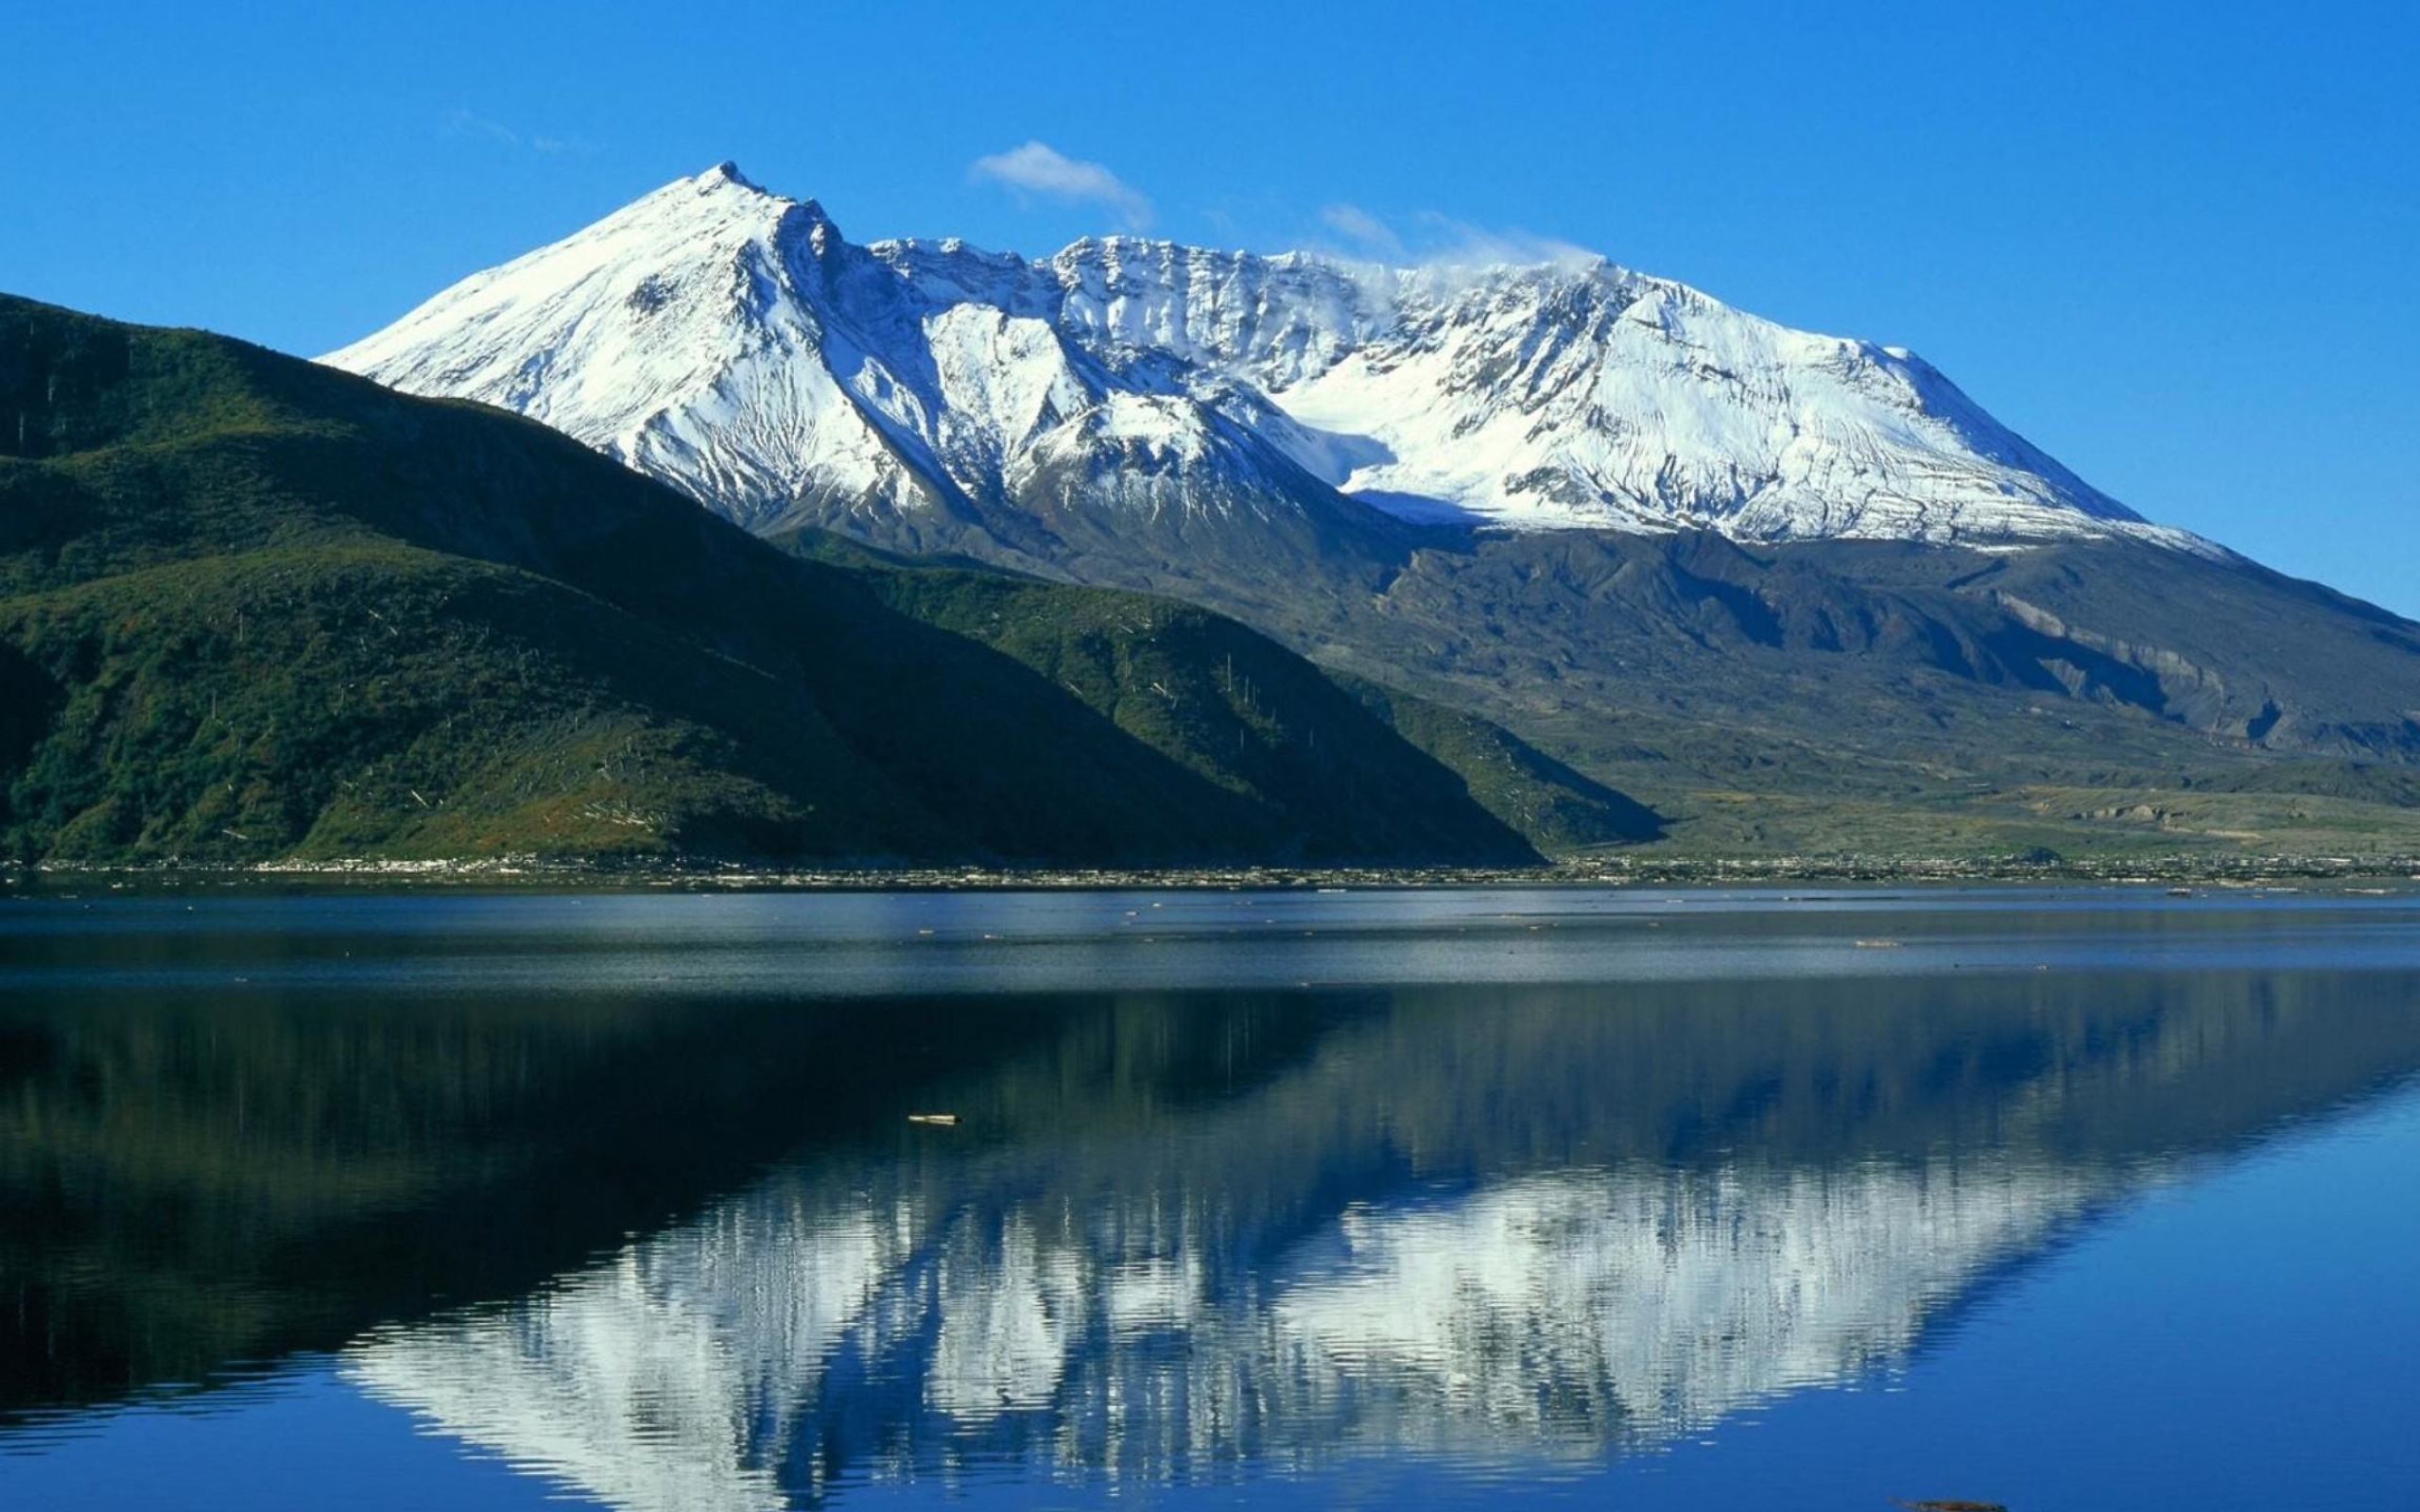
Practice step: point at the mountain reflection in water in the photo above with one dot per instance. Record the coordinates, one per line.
(683, 1252)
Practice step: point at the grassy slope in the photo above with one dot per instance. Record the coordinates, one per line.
(251, 608)
(1233, 705)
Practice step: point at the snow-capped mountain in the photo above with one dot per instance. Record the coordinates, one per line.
(731, 341)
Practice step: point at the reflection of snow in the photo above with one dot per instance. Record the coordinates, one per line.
(1153, 1293)
(1567, 1311)
(1564, 1305)
(1006, 1319)
(640, 1382)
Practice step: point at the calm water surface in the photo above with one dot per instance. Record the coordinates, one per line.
(1640, 1198)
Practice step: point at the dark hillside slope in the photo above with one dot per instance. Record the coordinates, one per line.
(251, 608)
(2070, 652)
(1235, 706)
(1901, 698)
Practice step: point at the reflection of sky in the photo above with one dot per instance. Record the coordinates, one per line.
(2249, 1342)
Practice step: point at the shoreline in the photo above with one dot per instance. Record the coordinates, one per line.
(2394, 874)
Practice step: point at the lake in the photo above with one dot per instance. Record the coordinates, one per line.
(1656, 1198)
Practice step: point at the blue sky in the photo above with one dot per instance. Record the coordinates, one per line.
(2177, 246)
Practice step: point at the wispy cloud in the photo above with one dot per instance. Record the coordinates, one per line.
(1038, 168)
(1364, 230)
(1436, 241)
(1458, 243)
(472, 124)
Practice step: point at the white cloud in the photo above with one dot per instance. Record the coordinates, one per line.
(1039, 168)
(1436, 241)
(1460, 244)
(1364, 230)
(472, 124)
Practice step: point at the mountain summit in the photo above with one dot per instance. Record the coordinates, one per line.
(731, 341)
(1796, 591)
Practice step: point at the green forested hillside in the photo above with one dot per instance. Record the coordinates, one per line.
(1235, 706)
(251, 607)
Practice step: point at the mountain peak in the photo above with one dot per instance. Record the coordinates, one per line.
(1508, 391)
(724, 185)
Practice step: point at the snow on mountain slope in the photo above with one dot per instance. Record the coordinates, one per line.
(1597, 397)
(675, 335)
(730, 342)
